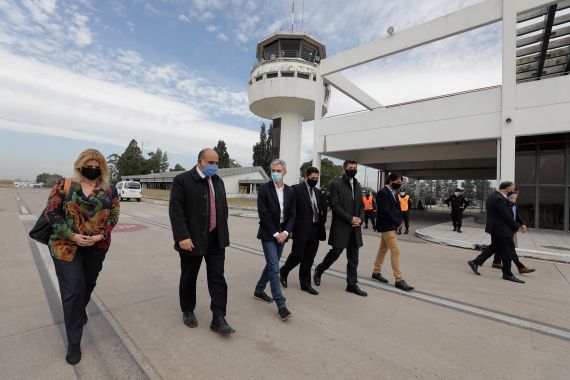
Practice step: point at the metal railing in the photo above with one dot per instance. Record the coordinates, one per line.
(288, 54)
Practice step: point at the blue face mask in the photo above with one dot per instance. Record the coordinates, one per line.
(276, 177)
(210, 170)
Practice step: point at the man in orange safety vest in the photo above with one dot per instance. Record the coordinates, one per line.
(405, 204)
(369, 209)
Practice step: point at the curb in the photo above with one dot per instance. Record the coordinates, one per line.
(528, 253)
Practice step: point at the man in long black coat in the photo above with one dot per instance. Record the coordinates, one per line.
(345, 233)
(309, 229)
(198, 213)
(501, 225)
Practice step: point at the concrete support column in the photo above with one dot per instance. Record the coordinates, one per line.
(318, 144)
(509, 92)
(290, 145)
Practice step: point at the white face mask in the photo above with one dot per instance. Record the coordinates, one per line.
(402, 193)
(457, 194)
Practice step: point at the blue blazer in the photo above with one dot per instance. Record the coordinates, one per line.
(389, 216)
(270, 212)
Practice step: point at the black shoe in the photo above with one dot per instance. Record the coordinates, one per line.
(454, 228)
(85, 320)
(189, 319)
(379, 277)
(73, 354)
(473, 267)
(399, 232)
(356, 290)
(459, 230)
(317, 278)
(284, 314)
(406, 232)
(403, 286)
(283, 279)
(311, 290)
(262, 296)
(220, 325)
(513, 279)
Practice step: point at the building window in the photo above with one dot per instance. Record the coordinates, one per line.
(551, 163)
(288, 74)
(272, 75)
(303, 76)
(258, 78)
(526, 204)
(551, 207)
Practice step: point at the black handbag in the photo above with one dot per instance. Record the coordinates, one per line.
(42, 230)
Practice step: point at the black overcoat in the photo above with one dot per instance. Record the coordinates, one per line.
(345, 205)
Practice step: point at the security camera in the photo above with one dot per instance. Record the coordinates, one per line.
(508, 119)
(390, 30)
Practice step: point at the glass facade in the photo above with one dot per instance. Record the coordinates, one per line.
(542, 173)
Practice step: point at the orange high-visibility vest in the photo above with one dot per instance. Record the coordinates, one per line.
(368, 205)
(404, 205)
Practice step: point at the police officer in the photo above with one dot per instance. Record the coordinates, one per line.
(458, 203)
(369, 209)
(405, 204)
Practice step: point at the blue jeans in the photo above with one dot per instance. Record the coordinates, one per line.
(272, 251)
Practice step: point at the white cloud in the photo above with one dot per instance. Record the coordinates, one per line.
(80, 32)
(40, 98)
(150, 9)
(183, 18)
(222, 36)
(211, 28)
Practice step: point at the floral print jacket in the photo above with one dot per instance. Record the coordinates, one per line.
(76, 213)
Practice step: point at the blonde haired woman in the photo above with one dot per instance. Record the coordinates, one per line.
(82, 218)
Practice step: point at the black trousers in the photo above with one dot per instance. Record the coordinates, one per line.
(369, 215)
(77, 279)
(406, 217)
(302, 252)
(190, 266)
(351, 255)
(502, 246)
(457, 218)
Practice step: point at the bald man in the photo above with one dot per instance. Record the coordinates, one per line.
(198, 213)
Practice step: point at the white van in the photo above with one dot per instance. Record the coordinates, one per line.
(129, 189)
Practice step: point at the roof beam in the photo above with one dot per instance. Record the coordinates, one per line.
(347, 87)
(546, 39)
(476, 16)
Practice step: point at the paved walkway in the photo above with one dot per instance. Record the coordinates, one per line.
(542, 244)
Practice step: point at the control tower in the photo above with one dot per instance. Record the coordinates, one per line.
(283, 87)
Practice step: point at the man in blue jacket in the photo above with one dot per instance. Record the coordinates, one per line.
(388, 221)
(276, 208)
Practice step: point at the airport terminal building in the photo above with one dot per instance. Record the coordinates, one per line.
(519, 130)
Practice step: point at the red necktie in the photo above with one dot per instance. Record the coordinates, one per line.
(212, 205)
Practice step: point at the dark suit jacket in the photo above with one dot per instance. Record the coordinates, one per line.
(500, 220)
(389, 216)
(345, 205)
(302, 231)
(270, 212)
(189, 210)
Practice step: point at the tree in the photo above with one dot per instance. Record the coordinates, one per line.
(469, 190)
(157, 162)
(132, 160)
(262, 149)
(329, 171)
(177, 168)
(223, 154)
(234, 163)
(164, 164)
(48, 179)
(482, 190)
(112, 161)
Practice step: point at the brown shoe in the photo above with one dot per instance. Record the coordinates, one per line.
(497, 265)
(526, 270)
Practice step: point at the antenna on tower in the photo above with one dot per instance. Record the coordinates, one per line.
(293, 16)
(303, 17)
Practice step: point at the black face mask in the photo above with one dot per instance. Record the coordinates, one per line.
(510, 193)
(350, 173)
(395, 186)
(312, 182)
(91, 173)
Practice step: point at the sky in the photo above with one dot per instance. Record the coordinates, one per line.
(173, 74)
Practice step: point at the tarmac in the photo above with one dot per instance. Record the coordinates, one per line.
(455, 325)
(536, 243)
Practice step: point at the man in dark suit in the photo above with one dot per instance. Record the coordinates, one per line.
(389, 220)
(198, 213)
(501, 225)
(308, 230)
(458, 204)
(345, 233)
(276, 208)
